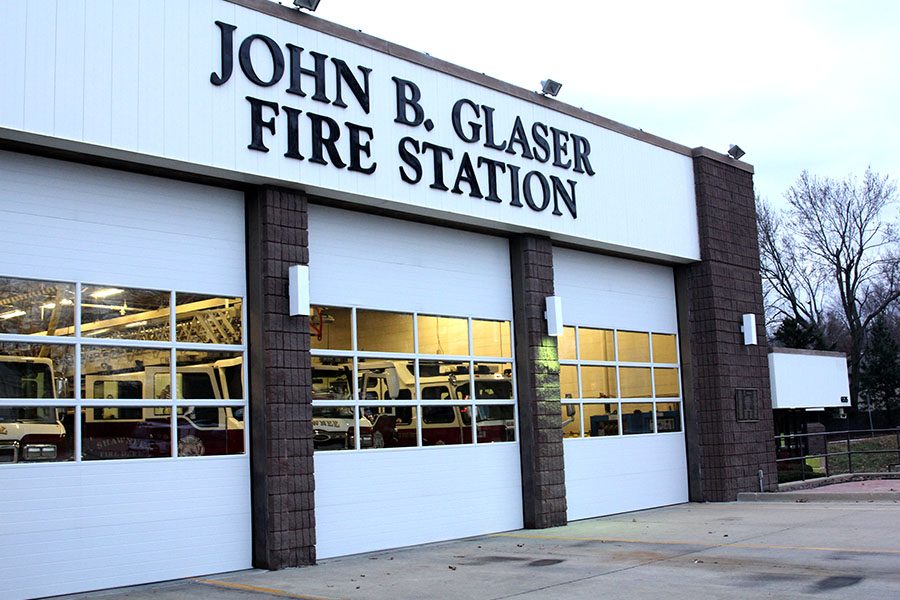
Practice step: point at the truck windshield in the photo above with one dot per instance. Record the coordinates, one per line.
(25, 380)
(330, 384)
(27, 414)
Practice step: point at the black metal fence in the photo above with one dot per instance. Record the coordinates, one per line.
(803, 456)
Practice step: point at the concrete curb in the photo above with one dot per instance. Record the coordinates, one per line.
(819, 497)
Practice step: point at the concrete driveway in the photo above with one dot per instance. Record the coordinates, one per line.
(693, 551)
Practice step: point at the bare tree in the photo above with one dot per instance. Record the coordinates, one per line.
(793, 285)
(841, 231)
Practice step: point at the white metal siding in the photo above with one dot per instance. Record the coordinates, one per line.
(375, 499)
(70, 527)
(618, 474)
(133, 79)
(65, 221)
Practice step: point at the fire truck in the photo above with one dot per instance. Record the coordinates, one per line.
(30, 433)
(144, 432)
(445, 424)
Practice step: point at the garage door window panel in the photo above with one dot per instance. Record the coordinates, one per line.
(29, 306)
(35, 434)
(416, 378)
(205, 319)
(111, 312)
(380, 331)
(330, 328)
(619, 366)
(126, 432)
(601, 419)
(106, 357)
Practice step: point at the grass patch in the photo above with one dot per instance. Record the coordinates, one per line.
(869, 455)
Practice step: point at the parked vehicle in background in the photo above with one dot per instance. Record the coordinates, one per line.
(144, 432)
(30, 433)
(444, 424)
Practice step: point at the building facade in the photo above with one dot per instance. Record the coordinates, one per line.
(273, 290)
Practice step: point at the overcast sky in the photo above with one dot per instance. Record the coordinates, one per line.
(797, 84)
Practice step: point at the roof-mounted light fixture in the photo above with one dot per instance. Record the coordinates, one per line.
(550, 87)
(735, 152)
(310, 5)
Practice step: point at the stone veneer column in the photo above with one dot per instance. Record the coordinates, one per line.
(281, 446)
(537, 383)
(724, 454)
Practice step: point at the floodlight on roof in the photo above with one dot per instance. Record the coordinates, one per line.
(310, 5)
(735, 152)
(550, 87)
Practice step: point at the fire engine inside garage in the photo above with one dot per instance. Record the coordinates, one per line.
(274, 291)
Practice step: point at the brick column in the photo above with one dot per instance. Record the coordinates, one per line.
(281, 447)
(537, 381)
(727, 401)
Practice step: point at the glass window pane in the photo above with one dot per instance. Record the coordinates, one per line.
(493, 381)
(635, 382)
(444, 380)
(37, 371)
(446, 425)
(124, 313)
(116, 373)
(491, 338)
(601, 419)
(668, 417)
(666, 381)
(379, 331)
(210, 430)
(634, 346)
(125, 432)
(571, 421)
(637, 418)
(36, 307)
(31, 434)
(332, 378)
(388, 426)
(443, 335)
(566, 344)
(203, 319)
(568, 381)
(495, 423)
(381, 379)
(333, 428)
(598, 382)
(203, 375)
(596, 344)
(665, 349)
(330, 328)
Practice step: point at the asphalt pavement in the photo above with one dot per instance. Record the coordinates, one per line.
(795, 548)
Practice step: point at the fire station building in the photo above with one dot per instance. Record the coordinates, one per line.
(273, 290)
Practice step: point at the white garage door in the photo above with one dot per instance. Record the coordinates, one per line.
(413, 387)
(620, 384)
(122, 440)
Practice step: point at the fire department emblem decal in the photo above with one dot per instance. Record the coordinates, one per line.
(190, 446)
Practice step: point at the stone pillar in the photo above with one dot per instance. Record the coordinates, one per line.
(537, 384)
(281, 446)
(727, 400)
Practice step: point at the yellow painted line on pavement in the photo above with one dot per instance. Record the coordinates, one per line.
(708, 544)
(253, 588)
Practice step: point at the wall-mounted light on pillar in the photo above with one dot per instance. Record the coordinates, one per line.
(554, 316)
(298, 290)
(749, 329)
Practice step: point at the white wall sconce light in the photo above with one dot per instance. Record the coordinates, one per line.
(749, 329)
(554, 316)
(298, 290)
